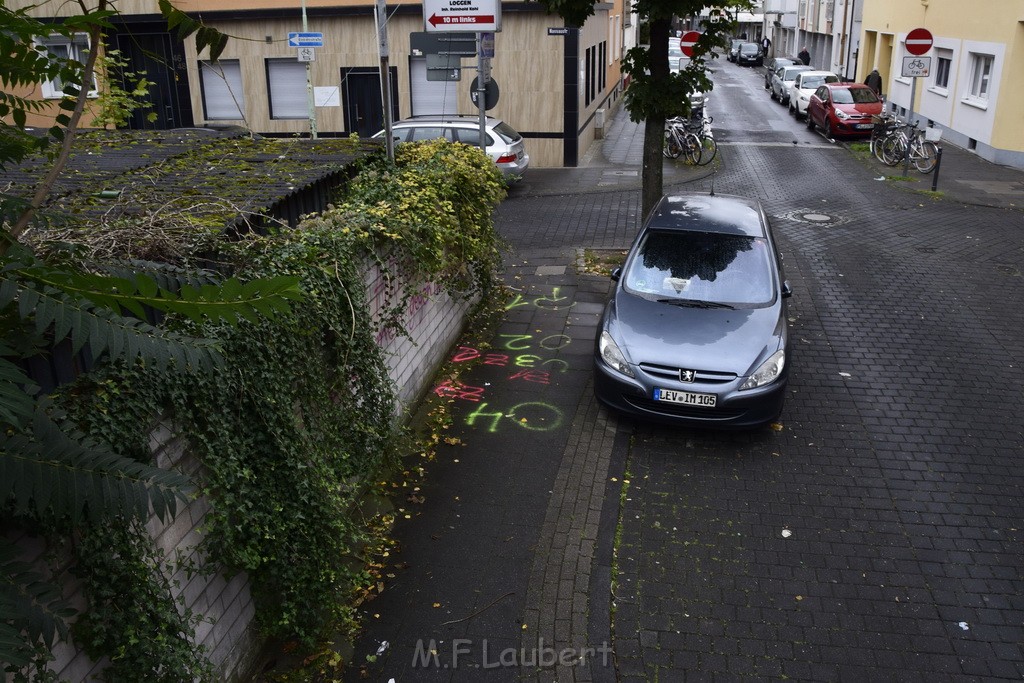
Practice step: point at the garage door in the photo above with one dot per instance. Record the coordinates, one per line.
(434, 97)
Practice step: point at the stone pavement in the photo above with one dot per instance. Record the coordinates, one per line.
(507, 561)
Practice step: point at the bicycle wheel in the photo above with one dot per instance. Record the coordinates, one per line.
(893, 150)
(924, 156)
(709, 148)
(877, 142)
(691, 146)
(672, 148)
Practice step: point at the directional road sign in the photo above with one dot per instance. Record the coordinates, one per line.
(687, 41)
(305, 39)
(919, 41)
(462, 15)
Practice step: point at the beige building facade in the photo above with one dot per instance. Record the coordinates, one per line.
(972, 91)
(555, 83)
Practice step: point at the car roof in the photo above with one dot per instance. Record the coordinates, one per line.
(446, 118)
(724, 214)
(844, 85)
(817, 73)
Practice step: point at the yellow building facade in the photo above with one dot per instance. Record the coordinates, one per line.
(973, 88)
(554, 82)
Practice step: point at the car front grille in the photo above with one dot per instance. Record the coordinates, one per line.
(672, 372)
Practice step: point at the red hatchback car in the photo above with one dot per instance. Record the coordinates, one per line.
(843, 109)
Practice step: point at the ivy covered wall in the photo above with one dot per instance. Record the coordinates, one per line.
(283, 435)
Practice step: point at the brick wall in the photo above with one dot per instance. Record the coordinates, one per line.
(434, 320)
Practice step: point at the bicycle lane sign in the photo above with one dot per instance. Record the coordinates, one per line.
(916, 67)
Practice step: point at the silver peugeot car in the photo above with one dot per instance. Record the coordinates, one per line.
(695, 331)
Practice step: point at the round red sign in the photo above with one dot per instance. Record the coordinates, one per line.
(687, 41)
(919, 41)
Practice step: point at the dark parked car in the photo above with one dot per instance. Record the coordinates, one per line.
(772, 65)
(843, 109)
(749, 54)
(695, 331)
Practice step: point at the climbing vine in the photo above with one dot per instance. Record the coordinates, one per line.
(300, 417)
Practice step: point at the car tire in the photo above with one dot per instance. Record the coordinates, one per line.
(827, 129)
(791, 110)
(810, 121)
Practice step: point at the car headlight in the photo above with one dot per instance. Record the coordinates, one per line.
(767, 372)
(613, 356)
(842, 114)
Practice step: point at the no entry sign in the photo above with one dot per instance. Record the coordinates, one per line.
(687, 41)
(919, 41)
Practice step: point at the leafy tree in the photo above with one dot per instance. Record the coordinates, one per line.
(49, 472)
(655, 94)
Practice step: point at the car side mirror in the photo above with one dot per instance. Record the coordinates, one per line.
(787, 291)
(616, 274)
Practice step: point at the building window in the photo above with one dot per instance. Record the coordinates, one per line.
(222, 90)
(286, 85)
(65, 49)
(981, 75)
(602, 61)
(588, 81)
(943, 62)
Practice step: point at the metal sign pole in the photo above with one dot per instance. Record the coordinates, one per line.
(481, 90)
(910, 121)
(381, 11)
(310, 102)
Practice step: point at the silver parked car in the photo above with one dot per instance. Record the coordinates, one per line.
(695, 331)
(503, 144)
(782, 79)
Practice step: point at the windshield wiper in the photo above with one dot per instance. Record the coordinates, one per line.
(692, 303)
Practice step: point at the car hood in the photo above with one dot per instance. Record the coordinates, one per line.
(866, 109)
(717, 339)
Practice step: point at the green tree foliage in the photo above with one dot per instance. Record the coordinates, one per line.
(655, 94)
(49, 472)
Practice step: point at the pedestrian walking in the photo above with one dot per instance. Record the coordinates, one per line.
(765, 44)
(804, 56)
(874, 81)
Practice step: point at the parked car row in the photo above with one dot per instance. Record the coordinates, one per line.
(837, 108)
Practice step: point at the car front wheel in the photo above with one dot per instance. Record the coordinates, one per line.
(810, 121)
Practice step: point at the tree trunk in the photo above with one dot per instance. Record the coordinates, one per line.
(44, 188)
(654, 129)
(652, 178)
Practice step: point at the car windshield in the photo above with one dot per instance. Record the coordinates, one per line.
(749, 48)
(853, 96)
(507, 132)
(686, 266)
(812, 82)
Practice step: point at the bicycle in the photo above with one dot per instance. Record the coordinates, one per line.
(891, 138)
(692, 138)
(885, 125)
(922, 153)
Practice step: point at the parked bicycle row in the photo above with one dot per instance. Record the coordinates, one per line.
(690, 139)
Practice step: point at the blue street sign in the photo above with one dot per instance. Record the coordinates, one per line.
(305, 39)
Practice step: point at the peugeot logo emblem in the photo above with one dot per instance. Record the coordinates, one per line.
(687, 375)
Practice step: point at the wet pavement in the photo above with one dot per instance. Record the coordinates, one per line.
(874, 535)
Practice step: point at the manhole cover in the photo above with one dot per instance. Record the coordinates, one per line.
(817, 218)
(806, 215)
